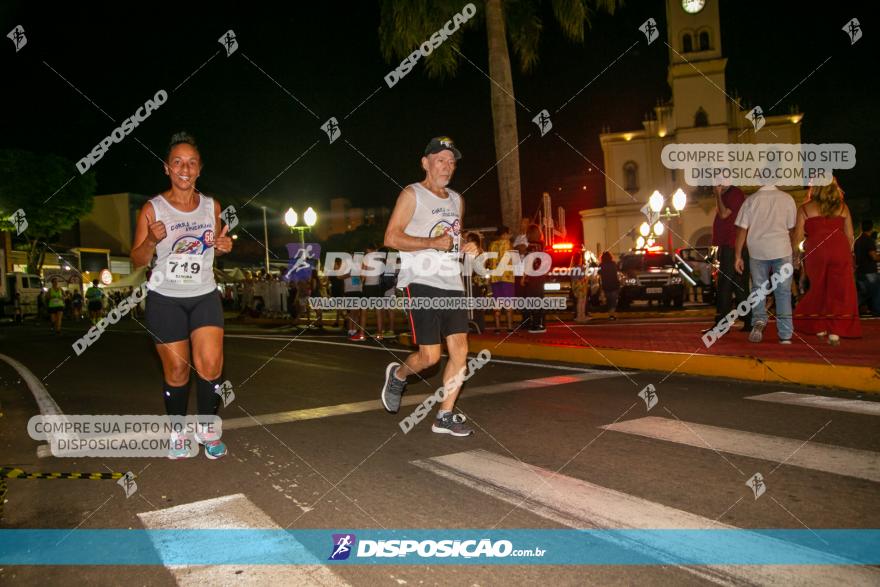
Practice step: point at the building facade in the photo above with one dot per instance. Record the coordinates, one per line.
(701, 110)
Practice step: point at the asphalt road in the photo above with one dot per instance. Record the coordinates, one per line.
(555, 446)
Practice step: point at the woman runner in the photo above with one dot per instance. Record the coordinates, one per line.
(96, 302)
(183, 309)
(55, 303)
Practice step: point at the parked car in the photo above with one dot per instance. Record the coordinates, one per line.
(650, 274)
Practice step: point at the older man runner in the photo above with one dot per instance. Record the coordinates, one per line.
(426, 228)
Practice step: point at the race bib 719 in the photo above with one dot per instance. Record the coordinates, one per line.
(184, 268)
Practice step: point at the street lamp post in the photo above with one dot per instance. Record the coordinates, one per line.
(679, 201)
(290, 219)
(655, 228)
(310, 217)
(266, 238)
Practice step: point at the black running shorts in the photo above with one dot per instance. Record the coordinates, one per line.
(373, 291)
(173, 319)
(431, 326)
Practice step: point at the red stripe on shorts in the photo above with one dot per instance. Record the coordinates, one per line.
(412, 325)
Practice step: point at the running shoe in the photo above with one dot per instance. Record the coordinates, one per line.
(392, 389)
(357, 337)
(214, 447)
(538, 330)
(389, 334)
(784, 341)
(757, 333)
(181, 447)
(453, 424)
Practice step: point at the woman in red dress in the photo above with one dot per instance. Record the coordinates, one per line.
(830, 307)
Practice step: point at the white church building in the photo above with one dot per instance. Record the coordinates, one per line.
(702, 110)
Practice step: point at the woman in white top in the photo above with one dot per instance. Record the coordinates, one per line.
(183, 308)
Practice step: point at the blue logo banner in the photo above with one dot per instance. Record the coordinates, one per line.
(456, 547)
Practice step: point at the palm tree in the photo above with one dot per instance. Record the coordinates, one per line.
(405, 24)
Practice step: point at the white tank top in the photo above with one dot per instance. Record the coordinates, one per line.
(433, 217)
(185, 257)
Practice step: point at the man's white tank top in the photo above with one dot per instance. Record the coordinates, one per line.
(185, 257)
(433, 217)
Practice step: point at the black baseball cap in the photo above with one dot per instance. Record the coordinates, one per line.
(438, 144)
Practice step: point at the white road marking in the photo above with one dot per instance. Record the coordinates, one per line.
(560, 367)
(839, 404)
(44, 451)
(579, 504)
(376, 404)
(561, 496)
(408, 400)
(45, 403)
(850, 462)
(406, 351)
(233, 512)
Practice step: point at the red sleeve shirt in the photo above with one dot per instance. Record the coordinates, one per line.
(724, 229)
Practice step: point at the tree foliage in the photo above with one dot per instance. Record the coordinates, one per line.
(51, 192)
(404, 25)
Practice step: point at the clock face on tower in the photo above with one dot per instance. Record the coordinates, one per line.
(692, 6)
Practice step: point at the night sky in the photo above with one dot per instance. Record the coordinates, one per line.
(327, 56)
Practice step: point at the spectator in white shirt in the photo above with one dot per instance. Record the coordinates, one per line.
(765, 222)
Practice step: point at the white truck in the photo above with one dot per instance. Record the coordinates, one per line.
(28, 287)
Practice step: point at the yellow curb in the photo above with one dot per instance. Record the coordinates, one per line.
(848, 377)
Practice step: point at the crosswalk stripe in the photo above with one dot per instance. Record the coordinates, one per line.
(839, 404)
(232, 512)
(410, 400)
(559, 496)
(580, 504)
(850, 462)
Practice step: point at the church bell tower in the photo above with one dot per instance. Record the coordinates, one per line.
(696, 71)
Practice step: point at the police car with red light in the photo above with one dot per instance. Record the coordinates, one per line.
(570, 261)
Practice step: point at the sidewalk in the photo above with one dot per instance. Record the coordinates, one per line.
(678, 348)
